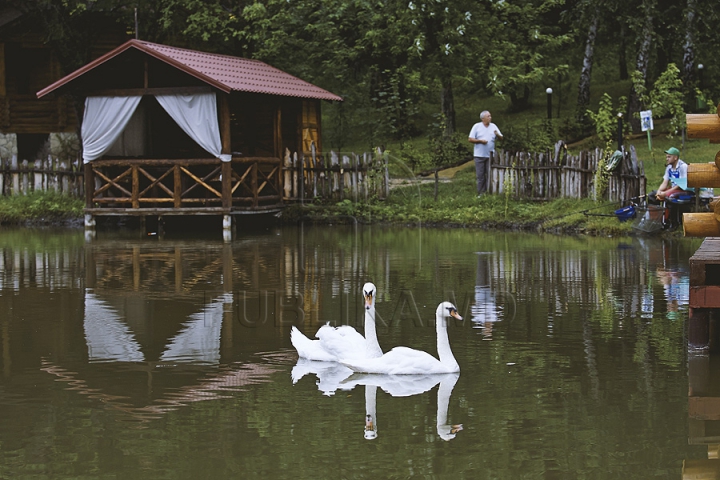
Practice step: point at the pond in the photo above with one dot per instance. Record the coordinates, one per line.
(170, 357)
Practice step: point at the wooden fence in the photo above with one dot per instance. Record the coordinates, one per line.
(50, 174)
(333, 176)
(546, 176)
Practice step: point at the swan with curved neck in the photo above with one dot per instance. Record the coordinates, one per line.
(336, 344)
(407, 361)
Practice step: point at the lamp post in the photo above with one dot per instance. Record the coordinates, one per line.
(549, 102)
(701, 67)
(620, 131)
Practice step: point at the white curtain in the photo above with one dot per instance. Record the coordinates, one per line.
(197, 116)
(104, 120)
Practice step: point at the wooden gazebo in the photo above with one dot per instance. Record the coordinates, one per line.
(171, 131)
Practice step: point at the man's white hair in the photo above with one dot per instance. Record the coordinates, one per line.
(483, 114)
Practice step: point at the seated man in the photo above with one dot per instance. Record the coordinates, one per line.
(675, 170)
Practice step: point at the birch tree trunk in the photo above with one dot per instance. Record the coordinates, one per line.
(642, 62)
(585, 74)
(689, 50)
(447, 105)
(622, 57)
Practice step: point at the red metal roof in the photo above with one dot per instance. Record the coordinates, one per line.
(223, 72)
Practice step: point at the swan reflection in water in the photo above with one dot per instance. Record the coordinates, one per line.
(406, 386)
(334, 376)
(329, 374)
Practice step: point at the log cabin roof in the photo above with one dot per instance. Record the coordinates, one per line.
(224, 72)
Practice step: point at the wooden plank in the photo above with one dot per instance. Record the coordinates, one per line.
(704, 408)
(226, 183)
(254, 184)
(706, 296)
(177, 186)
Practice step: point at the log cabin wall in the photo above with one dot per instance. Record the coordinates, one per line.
(309, 124)
(27, 64)
(264, 125)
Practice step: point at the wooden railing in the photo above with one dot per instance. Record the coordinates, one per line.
(182, 185)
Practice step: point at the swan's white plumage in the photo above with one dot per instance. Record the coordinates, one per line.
(408, 361)
(344, 342)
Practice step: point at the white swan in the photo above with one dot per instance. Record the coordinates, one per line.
(342, 343)
(407, 361)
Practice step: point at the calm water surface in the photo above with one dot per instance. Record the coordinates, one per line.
(170, 357)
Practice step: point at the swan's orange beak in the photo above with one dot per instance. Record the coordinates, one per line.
(368, 423)
(455, 428)
(454, 313)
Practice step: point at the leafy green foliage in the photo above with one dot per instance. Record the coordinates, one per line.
(525, 48)
(532, 136)
(39, 207)
(666, 97)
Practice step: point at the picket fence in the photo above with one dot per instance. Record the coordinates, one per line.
(49, 174)
(551, 175)
(334, 176)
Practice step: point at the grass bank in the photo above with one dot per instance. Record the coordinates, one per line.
(40, 208)
(458, 206)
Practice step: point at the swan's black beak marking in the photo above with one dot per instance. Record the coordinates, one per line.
(452, 311)
(368, 299)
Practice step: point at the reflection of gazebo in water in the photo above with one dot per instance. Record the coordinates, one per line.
(156, 339)
(170, 131)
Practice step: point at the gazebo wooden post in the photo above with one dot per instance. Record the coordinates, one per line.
(177, 187)
(226, 167)
(89, 176)
(135, 187)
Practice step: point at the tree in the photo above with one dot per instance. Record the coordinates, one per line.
(526, 48)
(583, 100)
(642, 62)
(447, 38)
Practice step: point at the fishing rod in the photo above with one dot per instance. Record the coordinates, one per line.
(632, 201)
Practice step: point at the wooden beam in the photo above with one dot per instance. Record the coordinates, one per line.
(223, 100)
(704, 408)
(89, 178)
(704, 175)
(177, 186)
(700, 225)
(707, 296)
(3, 88)
(226, 185)
(135, 187)
(703, 126)
(277, 131)
(126, 92)
(183, 162)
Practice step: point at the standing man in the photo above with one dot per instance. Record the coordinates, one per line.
(483, 135)
(675, 169)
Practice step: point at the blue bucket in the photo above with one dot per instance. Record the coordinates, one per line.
(625, 213)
